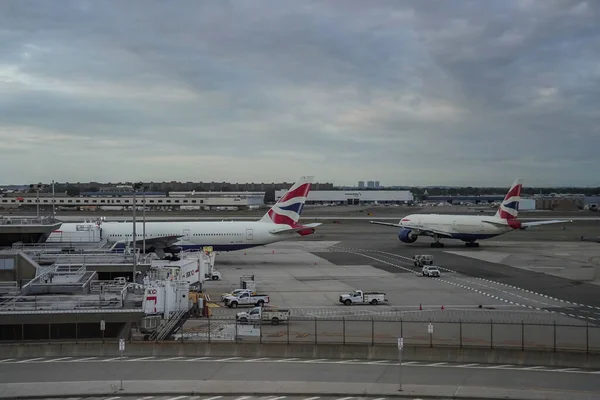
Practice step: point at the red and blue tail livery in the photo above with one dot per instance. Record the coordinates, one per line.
(288, 209)
(509, 209)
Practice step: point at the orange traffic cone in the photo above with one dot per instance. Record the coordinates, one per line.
(442, 306)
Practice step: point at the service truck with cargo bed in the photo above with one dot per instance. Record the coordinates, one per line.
(275, 315)
(360, 297)
(246, 299)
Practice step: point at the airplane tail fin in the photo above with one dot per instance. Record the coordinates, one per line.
(509, 208)
(287, 210)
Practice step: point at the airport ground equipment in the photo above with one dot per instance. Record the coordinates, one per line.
(420, 260)
(248, 282)
(246, 299)
(431, 271)
(274, 315)
(360, 297)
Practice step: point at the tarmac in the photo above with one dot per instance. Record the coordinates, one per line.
(539, 277)
(177, 376)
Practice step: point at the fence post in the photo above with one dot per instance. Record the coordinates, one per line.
(49, 332)
(344, 329)
(209, 333)
(554, 336)
(288, 331)
(260, 331)
(236, 330)
(372, 331)
(587, 337)
(430, 337)
(316, 330)
(460, 333)
(401, 327)
(522, 335)
(491, 334)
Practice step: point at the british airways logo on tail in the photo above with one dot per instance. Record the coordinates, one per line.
(509, 208)
(288, 209)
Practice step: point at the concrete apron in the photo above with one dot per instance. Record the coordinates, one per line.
(326, 351)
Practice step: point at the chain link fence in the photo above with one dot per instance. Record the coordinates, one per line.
(433, 333)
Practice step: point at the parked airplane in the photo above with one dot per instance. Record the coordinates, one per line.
(279, 223)
(467, 228)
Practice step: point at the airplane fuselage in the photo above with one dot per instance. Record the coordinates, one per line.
(221, 235)
(461, 227)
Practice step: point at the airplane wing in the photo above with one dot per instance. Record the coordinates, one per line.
(526, 225)
(418, 231)
(385, 223)
(289, 229)
(160, 242)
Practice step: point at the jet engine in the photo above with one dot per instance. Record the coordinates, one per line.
(172, 249)
(406, 236)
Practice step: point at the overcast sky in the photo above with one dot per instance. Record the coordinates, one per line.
(409, 93)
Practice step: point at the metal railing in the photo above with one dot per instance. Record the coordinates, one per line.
(44, 220)
(431, 333)
(57, 303)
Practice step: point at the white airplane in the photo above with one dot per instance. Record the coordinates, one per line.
(467, 228)
(279, 223)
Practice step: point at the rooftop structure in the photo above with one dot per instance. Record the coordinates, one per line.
(25, 229)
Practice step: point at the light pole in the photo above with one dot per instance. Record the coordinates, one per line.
(144, 220)
(53, 202)
(134, 234)
(37, 189)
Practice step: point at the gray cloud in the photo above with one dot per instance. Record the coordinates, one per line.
(424, 92)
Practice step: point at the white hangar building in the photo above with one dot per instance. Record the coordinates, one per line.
(355, 196)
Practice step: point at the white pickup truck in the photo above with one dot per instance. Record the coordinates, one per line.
(360, 297)
(235, 293)
(275, 315)
(246, 299)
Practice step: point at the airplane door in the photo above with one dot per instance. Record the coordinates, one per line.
(186, 234)
(249, 234)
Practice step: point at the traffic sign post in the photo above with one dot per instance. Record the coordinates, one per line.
(121, 350)
(430, 331)
(102, 328)
(400, 348)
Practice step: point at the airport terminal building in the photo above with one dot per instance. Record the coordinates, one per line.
(355, 197)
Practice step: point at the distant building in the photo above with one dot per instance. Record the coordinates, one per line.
(355, 197)
(361, 184)
(371, 184)
(376, 184)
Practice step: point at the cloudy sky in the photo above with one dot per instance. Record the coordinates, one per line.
(420, 92)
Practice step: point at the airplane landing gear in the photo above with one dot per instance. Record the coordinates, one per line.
(436, 242)
(472, 244)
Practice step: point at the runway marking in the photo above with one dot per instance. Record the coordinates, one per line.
(315, 398)
(57, 359)
(6, 360)
(139, 359)
(29, 360)
(114, 398)
(380, 363)
(146, 398)
(213, 398)
(243, 398)
(182, 397)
